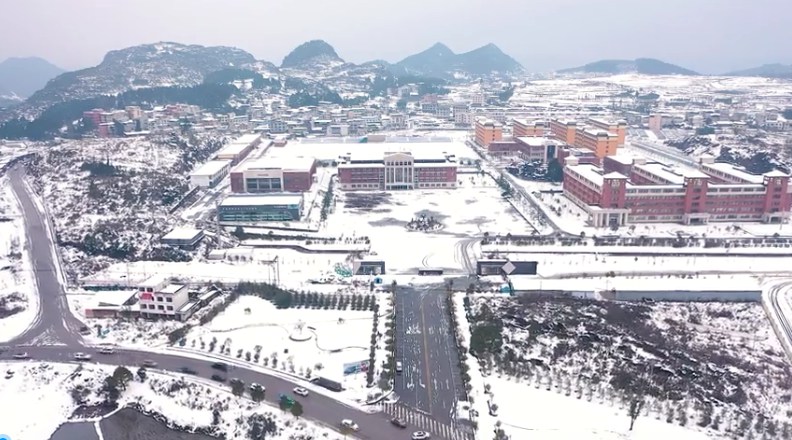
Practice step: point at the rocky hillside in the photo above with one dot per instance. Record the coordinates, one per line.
(441, 62)
(311, 53)
(148, 65)
(645, 66)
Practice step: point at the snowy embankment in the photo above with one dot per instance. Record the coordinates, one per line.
(47, 395)
(19, 303)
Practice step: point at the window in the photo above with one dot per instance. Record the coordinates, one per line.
(159, 299)
(170, 300)
(170, 308)
(161, 307)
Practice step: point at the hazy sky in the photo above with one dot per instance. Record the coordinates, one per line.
(710, 36)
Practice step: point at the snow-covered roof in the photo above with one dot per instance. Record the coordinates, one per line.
(262, 200)
(182, 234)
(211, 168)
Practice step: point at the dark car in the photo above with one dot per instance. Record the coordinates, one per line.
(220, 366)
(187, 370)
(398, 422)
(218, 378)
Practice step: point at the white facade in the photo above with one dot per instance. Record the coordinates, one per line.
(160, 299)
(210, 173)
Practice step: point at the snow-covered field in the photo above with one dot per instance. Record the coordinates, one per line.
(18, 299)
(304, 341)
(701, 370)
(472, 209)
(43, 396)
(294, 270)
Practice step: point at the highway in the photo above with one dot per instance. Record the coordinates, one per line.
(430, 382)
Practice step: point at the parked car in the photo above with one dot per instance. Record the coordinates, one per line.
(79, 356)
(187, 370)
(398, 367)
(106, 350)
(148, 363)
(256, 386)
(220, 366)
(398, 422)
(218, 378)
(346, 423)
(300, 391)
(420, 435)
(21, 356)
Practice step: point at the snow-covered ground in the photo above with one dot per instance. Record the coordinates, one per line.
(109, 199)
(18, 299)
(472, 209)
(703, 370)
(304, 341)
(293, 270)
(41, 396)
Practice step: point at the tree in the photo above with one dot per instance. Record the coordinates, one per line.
(257, 393)
(636, 405)
(122, 376)
(239, 232)
(555, 172)
(297, 409)
(110, 389)
(141, 374)
(237, 387)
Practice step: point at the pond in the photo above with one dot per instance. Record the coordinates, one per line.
(127, 424)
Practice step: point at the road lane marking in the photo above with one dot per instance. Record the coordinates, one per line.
(426, 357)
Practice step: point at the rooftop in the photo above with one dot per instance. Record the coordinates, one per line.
(262, 200)
(737, 173)
(590, 172)
(669, 174)
(285, 163)
(172, 289)
(232, 149)
(211, 168)
(182, 234)
(537, 141)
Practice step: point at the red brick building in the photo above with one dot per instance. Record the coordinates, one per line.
(644, 191)
(397, 171)
(274, 175)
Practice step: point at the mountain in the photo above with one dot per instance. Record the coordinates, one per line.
(767, 70)
(8, 98)
(645, 66)
(441, 62)
(311, 53)
(23, 76)
(148, 65)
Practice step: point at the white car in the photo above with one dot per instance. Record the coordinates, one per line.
(300, 391)
(21, 356)
(420, 435)
(82, 356)
(106, 350)
(346, 423)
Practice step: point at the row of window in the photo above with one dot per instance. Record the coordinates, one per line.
(155, 307)
(163, 299)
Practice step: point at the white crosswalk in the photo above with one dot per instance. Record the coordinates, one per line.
(425, 422)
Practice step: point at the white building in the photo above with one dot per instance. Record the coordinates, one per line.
(210, 173)
(161, 299)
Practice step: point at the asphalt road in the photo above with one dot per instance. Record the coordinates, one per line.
(430, 381)
(55, 322)
(316, 406)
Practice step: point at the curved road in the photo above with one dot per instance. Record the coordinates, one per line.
(316, 406)
(54, 335)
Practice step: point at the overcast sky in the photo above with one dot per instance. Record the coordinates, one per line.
(710, 36)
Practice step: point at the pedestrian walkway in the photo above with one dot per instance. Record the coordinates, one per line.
(425, 422)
